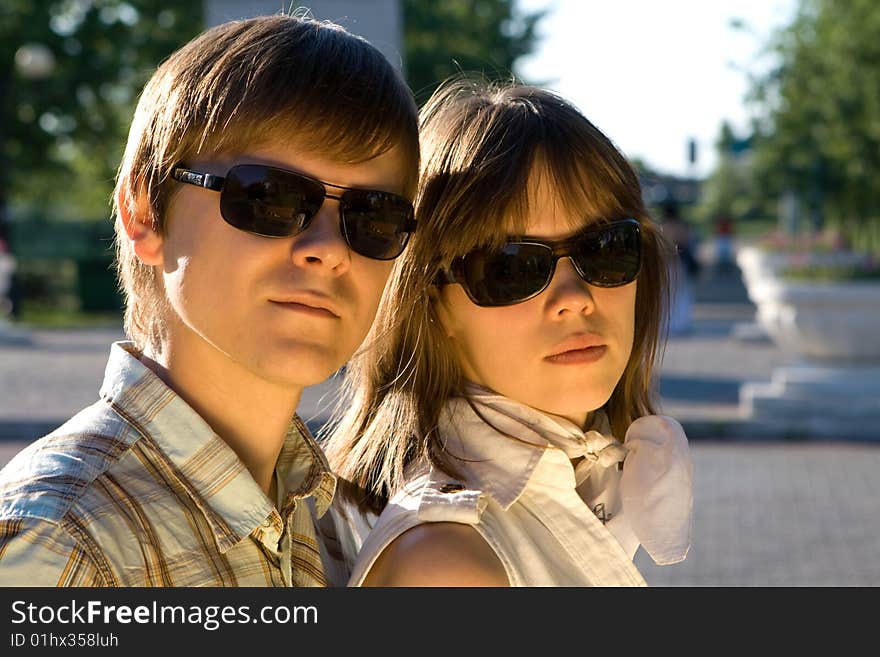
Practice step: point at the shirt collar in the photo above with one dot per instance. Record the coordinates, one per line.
(503, 461)
(216, 479)
(303, 470)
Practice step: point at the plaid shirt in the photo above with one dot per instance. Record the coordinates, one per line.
(137, 490)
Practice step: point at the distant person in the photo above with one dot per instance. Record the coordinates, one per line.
(684, 269)
(503, 429)
(7, 273)
(724, 243)
(264, 193)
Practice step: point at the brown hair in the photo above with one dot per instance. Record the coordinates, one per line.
(480, 145)
(245, 84)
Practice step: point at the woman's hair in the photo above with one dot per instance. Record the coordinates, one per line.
(480, 145)
(244, 85)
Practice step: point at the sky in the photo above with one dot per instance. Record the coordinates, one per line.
(652, 74)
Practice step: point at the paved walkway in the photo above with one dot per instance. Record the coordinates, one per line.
(777, 514)
(766, 513)
(703, 369)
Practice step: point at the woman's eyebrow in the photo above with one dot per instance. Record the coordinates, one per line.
(587, 227)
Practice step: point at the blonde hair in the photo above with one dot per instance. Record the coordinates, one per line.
(480, 144)
(242, 85)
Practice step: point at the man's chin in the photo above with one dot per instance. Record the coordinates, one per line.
(299, 366)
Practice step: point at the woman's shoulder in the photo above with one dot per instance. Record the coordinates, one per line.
(438, 554)
(429, 535)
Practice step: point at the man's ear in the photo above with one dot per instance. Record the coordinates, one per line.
(137, 221)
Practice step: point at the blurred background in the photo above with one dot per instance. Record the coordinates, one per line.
(754, 126)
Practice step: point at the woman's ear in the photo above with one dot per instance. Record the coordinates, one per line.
(440, 304)
(136, 218)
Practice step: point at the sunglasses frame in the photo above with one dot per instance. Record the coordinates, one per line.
(565, 248)
(217, 184)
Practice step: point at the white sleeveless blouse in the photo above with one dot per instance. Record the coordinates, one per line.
(547, 536)
(548, 523)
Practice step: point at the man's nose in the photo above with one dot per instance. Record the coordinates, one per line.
(322, 243)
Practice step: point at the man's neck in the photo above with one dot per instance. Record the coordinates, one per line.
(250, 414)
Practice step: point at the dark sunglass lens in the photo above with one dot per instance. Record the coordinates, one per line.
(376, 224)
(268, 201)
(510, 275)
(610, 257)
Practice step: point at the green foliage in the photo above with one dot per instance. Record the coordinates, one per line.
(728, 189)
(819, 132)
(62, 133)
(445, 37)
(829, 274)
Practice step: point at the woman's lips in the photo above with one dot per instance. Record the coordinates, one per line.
(304, 309)
(577, 348)
(578, 356)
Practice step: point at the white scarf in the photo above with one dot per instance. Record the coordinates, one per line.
(655, 485)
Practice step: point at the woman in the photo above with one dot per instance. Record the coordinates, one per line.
(514, 346)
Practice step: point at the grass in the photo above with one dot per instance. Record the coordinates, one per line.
(754, 229)
(825, 274)
(42, 317)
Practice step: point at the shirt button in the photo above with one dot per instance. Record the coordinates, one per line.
(451, 488)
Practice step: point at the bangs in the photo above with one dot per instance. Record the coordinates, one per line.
(352, 112)
(587, 190)
(265, 81)
(485, 154)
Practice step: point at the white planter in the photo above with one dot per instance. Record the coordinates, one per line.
(7, 267)
(820, 321)
(815, 401)
(759, 264)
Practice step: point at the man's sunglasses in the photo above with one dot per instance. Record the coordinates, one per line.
(275, 202)
(607, 255)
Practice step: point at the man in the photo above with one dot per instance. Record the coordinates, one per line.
(265, 190)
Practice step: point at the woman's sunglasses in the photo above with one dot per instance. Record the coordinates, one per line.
(275, 202)
(607, 255)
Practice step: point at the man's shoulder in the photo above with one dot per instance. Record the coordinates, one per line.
(50, 475)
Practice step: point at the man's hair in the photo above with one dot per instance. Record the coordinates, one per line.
(481, 146)
(248, 84)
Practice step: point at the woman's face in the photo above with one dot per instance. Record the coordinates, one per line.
(533, 352)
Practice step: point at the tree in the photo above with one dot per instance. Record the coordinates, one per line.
(819, 132)
(69, 123)
(731, 190)
(70, 72)
(445, 37)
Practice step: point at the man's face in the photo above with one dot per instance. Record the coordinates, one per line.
(257, 301)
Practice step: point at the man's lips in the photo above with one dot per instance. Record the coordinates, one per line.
(311, 303)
